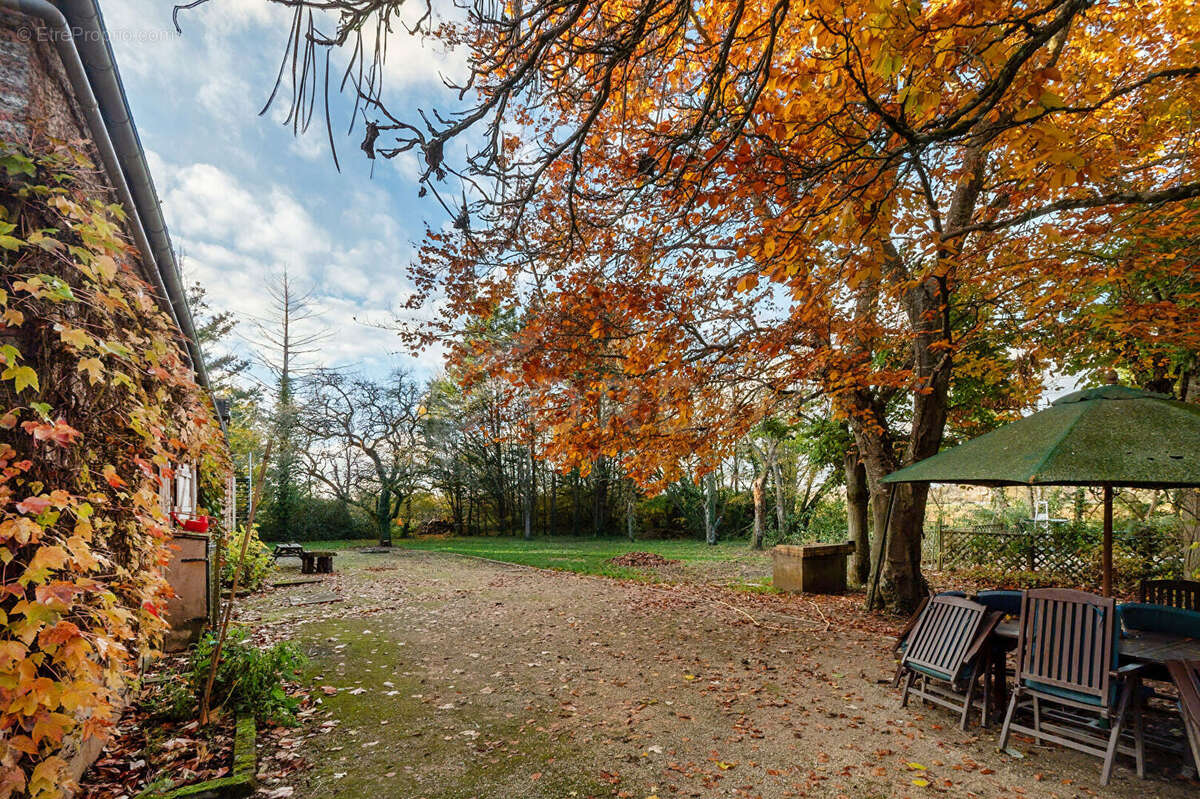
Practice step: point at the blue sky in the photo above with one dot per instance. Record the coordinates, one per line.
(243, 197)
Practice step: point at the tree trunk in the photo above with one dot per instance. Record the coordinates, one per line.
(858, 511)
(575, 504)
(552, 504)
(777, 478)
(710, 509)
(383, 518)
(630, 519)
(530, 497)
(600, 510)
(1189, 502)
(758, 491)
(459, 527)
(1189, 523)
(896, 552)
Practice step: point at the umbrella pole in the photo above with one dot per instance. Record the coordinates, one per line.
(887, 524)
(1106, 579)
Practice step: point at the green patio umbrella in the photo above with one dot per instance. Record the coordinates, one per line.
(1112, 436)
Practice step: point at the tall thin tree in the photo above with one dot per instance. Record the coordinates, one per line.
(290, 331)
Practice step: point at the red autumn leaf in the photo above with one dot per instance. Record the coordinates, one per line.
(33, 505)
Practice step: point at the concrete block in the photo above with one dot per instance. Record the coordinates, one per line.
(812, 568)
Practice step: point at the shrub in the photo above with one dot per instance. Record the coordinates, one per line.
(828, 523)
(317, 519)
(659, 517)
(250, 680)
(256, 567)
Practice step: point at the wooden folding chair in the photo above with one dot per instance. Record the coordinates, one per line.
(906, 632)
(1186, 674)
(1066, 655)
(1172, 593)
(948, 645)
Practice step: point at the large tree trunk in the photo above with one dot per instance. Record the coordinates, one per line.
(896, 554)
(1189, 501)
(1189, 523)
(926, 302)
(383, 517)
(858, 513)
(758, 490)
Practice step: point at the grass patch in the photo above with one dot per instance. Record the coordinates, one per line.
(585, 555)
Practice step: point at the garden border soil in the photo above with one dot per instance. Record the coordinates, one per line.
(239, 784)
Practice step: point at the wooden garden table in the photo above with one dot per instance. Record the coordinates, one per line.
(1132, 647)
(1135, 646)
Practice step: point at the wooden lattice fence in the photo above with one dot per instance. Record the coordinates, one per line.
(1069, 555)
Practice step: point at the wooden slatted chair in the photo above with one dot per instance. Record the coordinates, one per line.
(906, 632)
(1172, 593)
(1067, 656)
(1186, 675)
(948, 646)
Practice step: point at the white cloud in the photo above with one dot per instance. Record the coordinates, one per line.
(235, 237)
(243, 198)
(207, 203)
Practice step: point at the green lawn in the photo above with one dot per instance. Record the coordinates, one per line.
(584, 555)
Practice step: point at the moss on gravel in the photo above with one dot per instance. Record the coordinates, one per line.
(400, 745)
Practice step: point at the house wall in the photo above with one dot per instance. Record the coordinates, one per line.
(38, 107)
(36, 101)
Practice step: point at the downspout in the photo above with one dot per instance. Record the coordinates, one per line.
(122, 158)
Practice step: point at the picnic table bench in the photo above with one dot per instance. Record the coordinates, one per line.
(314, 562)
(317, 562)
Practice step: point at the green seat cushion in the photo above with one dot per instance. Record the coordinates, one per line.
(1146, 617)
(931, 672)
(1066, 693)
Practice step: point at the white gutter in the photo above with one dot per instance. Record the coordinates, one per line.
(92, 72)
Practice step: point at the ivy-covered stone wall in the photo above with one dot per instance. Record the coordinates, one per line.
(97, 404)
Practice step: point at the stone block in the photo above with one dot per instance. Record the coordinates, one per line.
(812, 568)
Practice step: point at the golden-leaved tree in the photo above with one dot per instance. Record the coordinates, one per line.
(707, 209)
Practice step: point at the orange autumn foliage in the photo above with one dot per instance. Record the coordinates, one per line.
(706, 211)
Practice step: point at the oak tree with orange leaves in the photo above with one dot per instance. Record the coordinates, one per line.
(708, 211)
